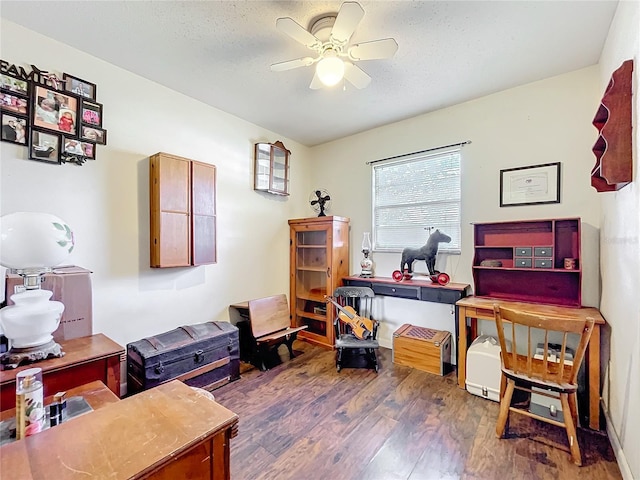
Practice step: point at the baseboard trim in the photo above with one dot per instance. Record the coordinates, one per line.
(617, 448)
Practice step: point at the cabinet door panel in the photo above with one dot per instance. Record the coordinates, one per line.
(204, 240)
(174, 187)
(174, 240)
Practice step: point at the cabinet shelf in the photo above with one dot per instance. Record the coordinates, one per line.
(312, 269)
(539, 247)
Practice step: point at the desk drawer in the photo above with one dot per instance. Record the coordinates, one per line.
(397, 291)
(523, 251)
(522, 262)
(543, 263)
(543, 252)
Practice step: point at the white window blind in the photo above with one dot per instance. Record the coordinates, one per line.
(414, 193)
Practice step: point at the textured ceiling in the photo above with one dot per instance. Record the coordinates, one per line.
(449, 52)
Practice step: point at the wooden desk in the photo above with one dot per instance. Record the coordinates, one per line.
(482, 308)
(424, 290)
(167, 432)
(86, 359)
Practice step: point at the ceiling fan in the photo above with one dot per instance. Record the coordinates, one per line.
(329, 37)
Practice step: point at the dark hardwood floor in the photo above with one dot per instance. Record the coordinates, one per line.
(303, 420)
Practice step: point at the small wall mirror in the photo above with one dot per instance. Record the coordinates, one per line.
(271, 169)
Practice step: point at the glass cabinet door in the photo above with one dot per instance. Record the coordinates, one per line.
(312, 272)
(271, 168)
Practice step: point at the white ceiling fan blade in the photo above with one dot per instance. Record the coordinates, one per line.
(347, 20)
(299, 62)
(356, 76)
(297, 32)
(375, 50)
(316, 84)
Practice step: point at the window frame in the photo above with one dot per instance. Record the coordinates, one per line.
(420, 157)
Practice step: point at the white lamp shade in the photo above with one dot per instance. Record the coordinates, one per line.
(330, 70)
(34, 240)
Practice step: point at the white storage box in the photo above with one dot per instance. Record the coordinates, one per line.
(483, 368)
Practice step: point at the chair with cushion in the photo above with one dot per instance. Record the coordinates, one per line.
(352, 351)
(546, 366)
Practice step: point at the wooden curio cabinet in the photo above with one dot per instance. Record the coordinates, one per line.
(183, 211)
(271, 168)
(319, 261)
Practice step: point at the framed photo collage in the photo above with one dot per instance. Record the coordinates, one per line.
(58, 125)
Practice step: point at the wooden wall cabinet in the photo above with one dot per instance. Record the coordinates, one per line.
(532, 257)
(613, 148)
(183, 211)
(271, 168)
(319, 260)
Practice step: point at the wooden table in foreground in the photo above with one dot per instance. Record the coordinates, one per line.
(165, 433)
(476, 308)
(86, 359)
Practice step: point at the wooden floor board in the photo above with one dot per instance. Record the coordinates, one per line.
(304, 420)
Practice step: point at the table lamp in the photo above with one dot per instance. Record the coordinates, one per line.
(366, 264)
(30, 244)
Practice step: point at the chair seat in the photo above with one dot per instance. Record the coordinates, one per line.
(348, 340)
(563, 387)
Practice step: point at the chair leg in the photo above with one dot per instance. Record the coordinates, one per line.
(503, 384)
(573, 405)
(339, 359)
(571, 430)
(505, 403)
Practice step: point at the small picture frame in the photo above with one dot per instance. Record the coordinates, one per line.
(44, 146)
(14, 129)
(55, 110)
(532, 185)
(93, 134)
(79, 87)
(91, 113)
(14, 103)
(11, 84)
(75, 147)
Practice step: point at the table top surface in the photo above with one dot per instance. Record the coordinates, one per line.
(409, 283)
(95, 393)
(487, 303)
(77, 351)
(127, 438)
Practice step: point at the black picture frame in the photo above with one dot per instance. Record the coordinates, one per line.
(79, 87)
(91, 113)
(18, 136)
(74, 146)
(14, 85)
(530, 185)
(91, 134)
(50, 108)
(10, 102)
(44, 146)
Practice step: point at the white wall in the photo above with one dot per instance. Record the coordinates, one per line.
(543, 122)
(620, 261)
(106, 201)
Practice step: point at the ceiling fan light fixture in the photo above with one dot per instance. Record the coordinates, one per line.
(330, 69)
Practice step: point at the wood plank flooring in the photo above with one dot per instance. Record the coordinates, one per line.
(304, 420)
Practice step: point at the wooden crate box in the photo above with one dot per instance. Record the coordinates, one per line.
(426, 349)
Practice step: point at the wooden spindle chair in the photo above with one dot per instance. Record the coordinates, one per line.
(555, 376)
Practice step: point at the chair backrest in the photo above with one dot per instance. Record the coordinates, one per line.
(359, 298)
(269, 315)
(550, 364)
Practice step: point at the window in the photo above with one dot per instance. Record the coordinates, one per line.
(413, 193)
